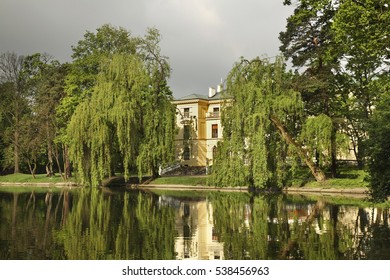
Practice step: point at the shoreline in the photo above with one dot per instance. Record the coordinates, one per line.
(361, 192)
(40, 184)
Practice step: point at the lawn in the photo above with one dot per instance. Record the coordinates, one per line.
(181, 180)
(27, 178)
(348, 178)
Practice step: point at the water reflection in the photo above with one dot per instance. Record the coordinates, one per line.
(196, 237)
(100, 224)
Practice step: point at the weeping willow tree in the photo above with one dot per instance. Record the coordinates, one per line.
(261, 122)
(128, 122)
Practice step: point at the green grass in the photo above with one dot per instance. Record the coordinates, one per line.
(349, 178)
(27, 178)
(181, 180)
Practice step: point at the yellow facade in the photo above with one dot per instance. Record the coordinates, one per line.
(199, 128)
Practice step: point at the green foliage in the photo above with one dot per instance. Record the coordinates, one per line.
(46, 83)
(13, 106)
(252, 151)
(344, 45)
(87, 56)
(361, 29)
(123, 117)
(122, 122)
(316, 135)
(379, 143)
(85, 67)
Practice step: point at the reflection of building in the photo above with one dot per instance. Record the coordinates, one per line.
(196, 238)
(198, 120)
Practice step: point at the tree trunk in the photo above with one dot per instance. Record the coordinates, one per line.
(67, 169)
(333, 147)
(49, 165)
(16, 151)
(318, 174)
(56, 156)
(32, 170)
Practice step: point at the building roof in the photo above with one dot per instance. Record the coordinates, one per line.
(194, 96)
(217, 96)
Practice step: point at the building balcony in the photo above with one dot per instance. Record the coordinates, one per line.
(213, 115)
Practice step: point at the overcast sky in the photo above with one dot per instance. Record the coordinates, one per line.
(202, 38)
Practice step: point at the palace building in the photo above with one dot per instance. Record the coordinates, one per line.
(199, 127)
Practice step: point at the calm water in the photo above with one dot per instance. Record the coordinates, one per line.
(101, 224)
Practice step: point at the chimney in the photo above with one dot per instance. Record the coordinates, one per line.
(219, 88)
(212, 92)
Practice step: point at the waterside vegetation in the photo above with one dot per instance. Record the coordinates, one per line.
(110, 109)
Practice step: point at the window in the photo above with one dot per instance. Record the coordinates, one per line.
(214, 131)
(186, 153)
(216, 112)
(186, 112)
(186, 132)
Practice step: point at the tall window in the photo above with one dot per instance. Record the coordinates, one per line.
(214, 131)
(186, 132)
(186, 112)
(186, 153)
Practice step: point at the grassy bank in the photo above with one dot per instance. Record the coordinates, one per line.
(28, 178)
(348, 178)
(182, 180)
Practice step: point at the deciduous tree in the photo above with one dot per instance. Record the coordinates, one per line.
(261, 127)
(14, 103)
(128, 120)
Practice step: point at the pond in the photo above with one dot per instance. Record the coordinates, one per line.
(107, 224)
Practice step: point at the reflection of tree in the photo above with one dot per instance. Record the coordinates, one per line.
(89, 224)
(26, 224)
(157, 225)
(131, 226)
(374, 242)
(322, 231)
(240, 241)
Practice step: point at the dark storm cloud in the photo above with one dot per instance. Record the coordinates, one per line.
(203, 38)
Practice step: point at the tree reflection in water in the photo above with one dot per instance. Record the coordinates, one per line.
(99, 224)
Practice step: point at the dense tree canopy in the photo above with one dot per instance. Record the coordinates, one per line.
(260, 121)
(127, 123)
(308, 42)
(13, 107)
(379, 147)
(344, 47)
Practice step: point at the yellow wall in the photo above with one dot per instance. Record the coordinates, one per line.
(201, 143)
